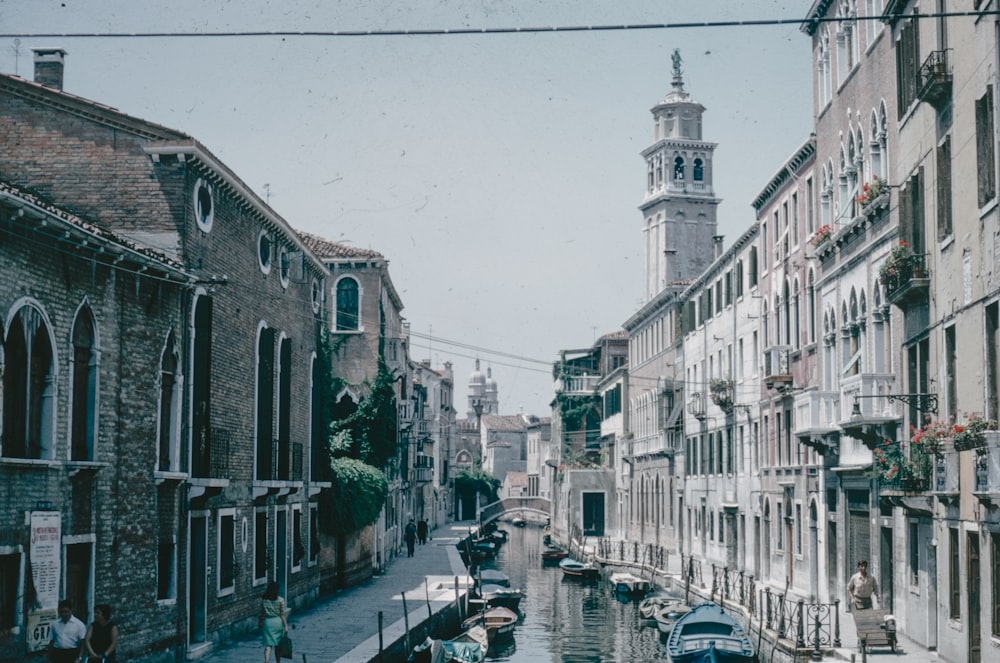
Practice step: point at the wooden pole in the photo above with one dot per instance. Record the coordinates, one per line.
(427, 594)
(406, 622)
(380, 635)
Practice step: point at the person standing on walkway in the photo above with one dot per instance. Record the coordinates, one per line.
(410, 534)
(862, 587)
(68, 632)
(273, 621)
(101, 642)
(422, 531)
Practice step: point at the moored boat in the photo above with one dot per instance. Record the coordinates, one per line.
(496, 595)
(553, 554)
(576, 569)
(708, 632)
(468, 647)
(649, 606)
(626, 583)
(666, 615)
(492, 577)
(498, 621)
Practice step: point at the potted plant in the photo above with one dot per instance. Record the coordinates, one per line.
(721, 392)
(821, 236)
(871, 191)
(893, 466)
(970, 435)
(896, 264)
(931, 436)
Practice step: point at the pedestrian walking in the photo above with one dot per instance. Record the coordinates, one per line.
(101, 641)
(272, 621)
(862, 587)
(410, 534)
(422, 531)
(68, 632)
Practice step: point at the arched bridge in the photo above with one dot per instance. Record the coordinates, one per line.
(538, 505)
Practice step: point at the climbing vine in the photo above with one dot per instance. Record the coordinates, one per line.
(471, 482)
(577, 412)
(356, 497)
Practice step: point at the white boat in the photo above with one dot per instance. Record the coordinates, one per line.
(626, 583)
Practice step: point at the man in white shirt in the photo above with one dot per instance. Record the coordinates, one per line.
(862, 587)
(68, 633)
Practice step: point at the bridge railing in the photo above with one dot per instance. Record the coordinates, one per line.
(494, 510)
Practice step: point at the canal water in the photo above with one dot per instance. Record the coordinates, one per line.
(569, 620)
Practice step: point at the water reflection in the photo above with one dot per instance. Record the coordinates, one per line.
(568, 619)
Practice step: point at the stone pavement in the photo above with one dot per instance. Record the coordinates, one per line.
(907, 651)
(344, 627)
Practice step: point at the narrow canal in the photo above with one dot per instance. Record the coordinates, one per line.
(568, 620)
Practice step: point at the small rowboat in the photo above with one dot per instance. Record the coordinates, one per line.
(498, 621)
(576, 569)
(626, 583)
(553, 555)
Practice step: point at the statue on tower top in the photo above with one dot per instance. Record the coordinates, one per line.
(676, 58)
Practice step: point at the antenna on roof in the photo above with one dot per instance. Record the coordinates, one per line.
(16, 50)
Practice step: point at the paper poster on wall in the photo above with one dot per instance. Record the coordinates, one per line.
(46, 561)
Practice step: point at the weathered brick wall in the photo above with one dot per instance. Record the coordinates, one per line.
(98, 169)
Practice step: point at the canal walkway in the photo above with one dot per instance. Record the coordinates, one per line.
(343, 628)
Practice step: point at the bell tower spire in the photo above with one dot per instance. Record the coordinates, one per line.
(679, 208)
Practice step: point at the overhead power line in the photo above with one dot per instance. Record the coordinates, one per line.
(476, 348)
(487, 31)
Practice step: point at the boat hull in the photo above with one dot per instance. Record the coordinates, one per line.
(708, 633)
(572, 568)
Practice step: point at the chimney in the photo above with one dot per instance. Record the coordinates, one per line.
(717, 244)
(49, 67)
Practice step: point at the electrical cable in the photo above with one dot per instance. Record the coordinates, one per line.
(442, 32)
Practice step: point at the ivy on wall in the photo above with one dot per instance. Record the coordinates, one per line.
(470, 482)
(356, 498)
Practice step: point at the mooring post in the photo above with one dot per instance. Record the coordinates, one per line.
(380, 636)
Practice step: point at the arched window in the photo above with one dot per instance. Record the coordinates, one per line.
(859, 156)
(883, 128)
(167, 438)
(679, 168)
(84, 412)
(811, 307)
(874, 148)
(699, 170)
(796, 315)
(348, 305)
(28, 387)
(787, 313)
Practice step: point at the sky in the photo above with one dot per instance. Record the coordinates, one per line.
(499, 174)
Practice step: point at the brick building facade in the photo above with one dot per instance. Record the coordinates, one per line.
(176, 416)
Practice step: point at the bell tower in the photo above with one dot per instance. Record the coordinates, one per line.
(679, 208)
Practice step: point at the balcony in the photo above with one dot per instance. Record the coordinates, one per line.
(577, 384)
(908, 282)
(934, 80)
(988, 469)
(777, 369)
(945, 476)
(868, 412)
(423, 469)
(666, 443)
(905, 479)
(817, 416)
